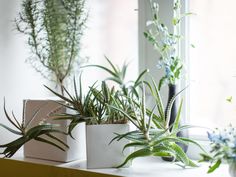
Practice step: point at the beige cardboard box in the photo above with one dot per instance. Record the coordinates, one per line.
(35, 149)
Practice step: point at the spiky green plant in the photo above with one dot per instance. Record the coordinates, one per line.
(92, 107)
(105, 97)
(118, 75)
(54, 29)
(154, 136)
(82, 104)
(27, 133)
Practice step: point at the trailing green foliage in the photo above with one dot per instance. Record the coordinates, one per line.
(54, 29)
(27, 133)
(154, 136)
(166, 43)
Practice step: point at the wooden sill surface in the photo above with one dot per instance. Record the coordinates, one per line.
(19, 166)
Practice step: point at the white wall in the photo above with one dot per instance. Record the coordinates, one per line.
(17, 79)
(112, 31)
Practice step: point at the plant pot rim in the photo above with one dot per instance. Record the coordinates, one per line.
(96, 125)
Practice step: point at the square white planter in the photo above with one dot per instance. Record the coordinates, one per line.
(101, 154)
(35, 149)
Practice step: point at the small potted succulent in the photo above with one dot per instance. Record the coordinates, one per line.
(223, 149)
(101, 124)
(154, 136)
(53, 29)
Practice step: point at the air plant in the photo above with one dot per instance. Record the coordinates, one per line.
(81, 103)
(43, 132)
(154, 136)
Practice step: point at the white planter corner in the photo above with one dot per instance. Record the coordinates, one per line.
(35, 149)
(101, 154)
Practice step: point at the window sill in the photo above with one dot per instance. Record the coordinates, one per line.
(148, 167)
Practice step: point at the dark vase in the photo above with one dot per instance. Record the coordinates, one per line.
(171, 93)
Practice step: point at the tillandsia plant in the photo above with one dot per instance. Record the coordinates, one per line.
(27, 133)
(154, 136)
(166, 43)
(118, 76)
(81, 103)
(54, 29)
(223, 148)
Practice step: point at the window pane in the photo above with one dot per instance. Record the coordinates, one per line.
(212, 62)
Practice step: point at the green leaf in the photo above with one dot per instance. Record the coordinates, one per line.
(170, 104)
(229, 99)
(193, 142)
(192, 45)
(136, 154)
(8, 117)
(48, 142)
(10, 129)
(177, 119)
(214, 167)
(111, 64)
(134, 144)
(57, 140)
(161, 82)
(137, 81)
(180, 154)
(121, 136)
(59, 95)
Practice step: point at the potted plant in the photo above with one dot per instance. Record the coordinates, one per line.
(53, 29)
(167, 44)
(223, 149)
(48, 111)
(154, 136)
(102, 121)
(44, 132)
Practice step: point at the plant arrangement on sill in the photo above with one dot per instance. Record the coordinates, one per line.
(43, 132)
(54, 29)
(154, 136)
(223, 149)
